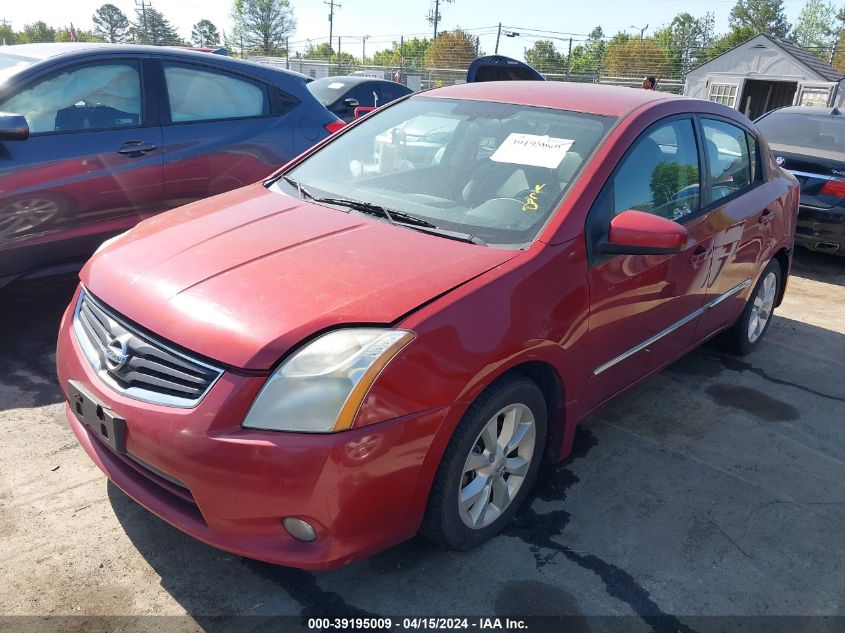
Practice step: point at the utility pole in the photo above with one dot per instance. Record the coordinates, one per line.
(332, 4)
(401, 58)
(338, 54)
(434, 16)
(498, 35)
(569, 59)
(287, 53)
(641, 30)
(364, 48)
(143, 16)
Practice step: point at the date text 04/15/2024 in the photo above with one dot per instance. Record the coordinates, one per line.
(417, 623)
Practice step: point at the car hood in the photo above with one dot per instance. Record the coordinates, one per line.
(242, 277)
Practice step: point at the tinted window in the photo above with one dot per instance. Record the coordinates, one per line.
(198, 94)
(328, 89)
(660, 174)
(726, 147)
(99, 96)
(493, 170)
(389, 92)
(819, 131)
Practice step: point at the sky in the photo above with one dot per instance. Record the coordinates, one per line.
(386, 20)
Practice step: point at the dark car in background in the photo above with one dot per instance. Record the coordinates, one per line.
(810, 142)
(342, 95)
(100, 136)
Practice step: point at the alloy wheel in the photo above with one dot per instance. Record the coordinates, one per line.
(496, 466)
(24, 215)
(761, 309)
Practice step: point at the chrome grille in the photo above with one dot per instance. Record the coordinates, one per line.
(137, 365)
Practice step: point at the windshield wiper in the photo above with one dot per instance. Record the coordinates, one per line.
(400, 218)
(393, 216)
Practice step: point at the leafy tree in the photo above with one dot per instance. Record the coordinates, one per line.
(816, 26)
(411, 54)
(111, 24)
(452, 49)
(63, 35)
(205, 33)
(761, 16)
(686, 38)
(151, 27)
(321, 51)
(590, 56)
(839, 55)
(263, 25)
(635, 58)
(7, 35)
(37, 32)
(669, 178)
(728, 41)
(545, 57)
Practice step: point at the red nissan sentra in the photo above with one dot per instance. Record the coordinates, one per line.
(394, 331)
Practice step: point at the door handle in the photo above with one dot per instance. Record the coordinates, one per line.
(699, 256)
(136, 148)
(767, 216)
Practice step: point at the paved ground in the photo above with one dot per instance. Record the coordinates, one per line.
(716, 487)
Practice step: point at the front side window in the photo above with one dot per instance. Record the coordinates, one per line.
(197, 94)
(490, 170)
(726, 147)
(660, 174)
(92, 97)
(724, 94)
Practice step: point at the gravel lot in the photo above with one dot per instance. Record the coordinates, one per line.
(715, 488)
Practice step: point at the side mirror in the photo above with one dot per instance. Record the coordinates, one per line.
(640, 233)
(13, 127)
(350, 102)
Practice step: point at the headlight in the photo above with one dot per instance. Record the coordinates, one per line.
(320, 388)
(110, 241)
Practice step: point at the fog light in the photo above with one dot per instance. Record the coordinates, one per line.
(299, 529)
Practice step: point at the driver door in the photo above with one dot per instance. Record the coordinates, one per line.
(643, 308)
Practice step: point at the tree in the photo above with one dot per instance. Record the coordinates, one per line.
(452, 49)
(63, 35)
(686, 38)
(151, 27)
(111, 24)
(7, 35)
(36, 32)
(761, 16)
(321, 51)
(263, 25)
(411, 54)
(545, 57)
(839, 55)
(205, 33)
(816, 26)
(589, 57)
(728, 41)
(636, 58)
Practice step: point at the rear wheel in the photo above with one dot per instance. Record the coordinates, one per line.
(489, 465)
(755, 319)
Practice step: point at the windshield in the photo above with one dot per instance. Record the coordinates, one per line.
(328, 90)
(489, 170)
(819, 131)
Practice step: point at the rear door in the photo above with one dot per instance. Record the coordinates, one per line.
(221, 130)
(743, 209)
(643, 308)
(91, 167)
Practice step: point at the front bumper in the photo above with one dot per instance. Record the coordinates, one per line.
(821, 230)
(363, 490)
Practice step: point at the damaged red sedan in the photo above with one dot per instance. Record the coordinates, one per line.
(393, 332)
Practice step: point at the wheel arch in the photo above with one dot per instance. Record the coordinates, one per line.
(782, 257)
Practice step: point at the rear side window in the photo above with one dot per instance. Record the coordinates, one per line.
(660, 175)
(90, 97)
(726, 147)
(199, 94)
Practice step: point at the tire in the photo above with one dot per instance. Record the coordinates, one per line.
(742, 339)
(500, 485)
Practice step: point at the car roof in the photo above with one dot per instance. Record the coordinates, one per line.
(46, 51)
(590, 98)
(809, 111)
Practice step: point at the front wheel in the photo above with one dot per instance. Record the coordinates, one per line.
(489, 465)
(755, 319)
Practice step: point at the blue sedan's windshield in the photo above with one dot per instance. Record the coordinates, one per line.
(490, 170)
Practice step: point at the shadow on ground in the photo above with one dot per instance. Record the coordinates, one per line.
(29, 323)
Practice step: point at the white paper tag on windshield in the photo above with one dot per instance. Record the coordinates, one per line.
(335, 85)
(530, 149)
